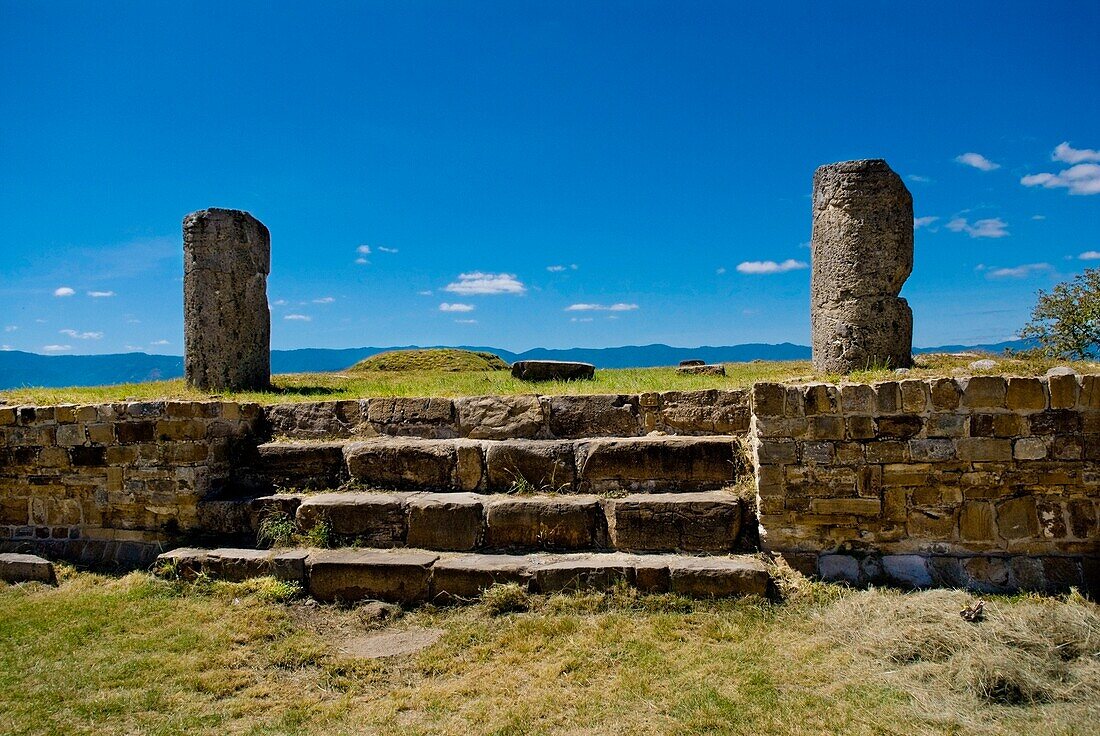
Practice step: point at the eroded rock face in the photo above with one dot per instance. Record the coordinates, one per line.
(226, 320)
(862, 254)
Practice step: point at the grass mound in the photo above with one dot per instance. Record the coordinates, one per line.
(434, 359)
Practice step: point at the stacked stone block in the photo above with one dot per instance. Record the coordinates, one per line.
(989, 482)
(112, 481)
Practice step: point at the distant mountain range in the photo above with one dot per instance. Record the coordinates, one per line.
(18, 369)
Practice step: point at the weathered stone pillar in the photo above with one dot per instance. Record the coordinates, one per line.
(862, 254)
(226, 320)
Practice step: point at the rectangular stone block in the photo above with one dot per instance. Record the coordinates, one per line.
(377, 519)
(718, 577)
(545, 522)
(853, 506)
(980, 449)
(898, 427)
(446, 521)
(351, 575)
(857, 398)
(821, 398)
(768, 399)
(945, 393)
(467, 576)
(914, 396)
(1063, 391)
(887, 451)
(690, 522)
(932, 450)
(887, 397)
(985, 392)
(946, 425)
(530, 465)
(1026, 394)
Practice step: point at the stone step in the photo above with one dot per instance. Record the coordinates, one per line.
(600, 465)
(710, 521)
(414, 576)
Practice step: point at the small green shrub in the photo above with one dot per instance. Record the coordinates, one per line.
(277, 529)
(505, 598)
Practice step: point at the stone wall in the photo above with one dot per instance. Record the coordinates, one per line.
(990, 483)
(708, 412)
(114, 482)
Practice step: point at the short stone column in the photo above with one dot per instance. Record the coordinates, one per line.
(862, 254)
(226, 320)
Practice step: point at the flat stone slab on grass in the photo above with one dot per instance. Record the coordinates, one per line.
(21, 568)
(389, 643)
(702, 370)
(552, 370)
(466, 576)
(717, 576)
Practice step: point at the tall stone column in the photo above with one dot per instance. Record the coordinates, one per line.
(862, 254)
(226, 320)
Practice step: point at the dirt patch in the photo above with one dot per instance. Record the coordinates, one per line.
(389, 643)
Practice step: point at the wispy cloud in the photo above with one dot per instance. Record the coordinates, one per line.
(447, 307)
(81, 335)
(11, 328)
(100, 294)
(466, 321)
(63, 291)
(56, 348)
(978, 161)
(298, 317)
(580, 319)
(993, 227)
(1018, 272)
(919, 222)
(384, 249)
(559, 268)
(362, 261)
(425, 292)
(617, 307)
(1038, 217)
(766, 267)
(480, 282)
(325, 300)
(1065, 152)
(160, 342)
(1090, 255)
(918, 179)
(363, 250)
(720, 270)
(1079, 179)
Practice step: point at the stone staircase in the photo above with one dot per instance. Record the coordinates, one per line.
(410, 519)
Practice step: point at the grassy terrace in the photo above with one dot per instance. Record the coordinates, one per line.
(139, 655)
(361, 383)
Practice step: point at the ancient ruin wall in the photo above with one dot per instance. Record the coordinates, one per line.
(111, 482)
(989, 482)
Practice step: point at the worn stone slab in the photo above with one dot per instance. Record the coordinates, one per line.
(500, 417)
(352, 575)
(22, 568)
(658, 463)
(302, 465)
(466, 576)
(666, 522)
(531, 465)
(702, 370)
(545, 522)
(718, 576)
(446, 521)
(236, 565)
(430, 418)
(415, 463)
(318, 419)
(552, 370)
(377, 519)
(598, 415)
(585, 572)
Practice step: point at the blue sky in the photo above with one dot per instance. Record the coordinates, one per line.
(534, 174)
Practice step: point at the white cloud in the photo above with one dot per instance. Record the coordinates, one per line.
(479, 282)
(580, 319)
(1079, 179)
(1090, 255)
(466, 321)
(978, 161)
(363, 250)
(1065, 152)
(81, 335)
(325, 300)
(918, 179)
(63, 291)
(384, 249)
(445, 307)
(919, 222)
(1019, 272)
(362, 261)
(425, 292)
(1038, 217)
(56, 348)
(11, 328)
(279, 302)
(721, 270)
(993, 227)
(617, 307)
(764, 267)
(555, 269)
(298, 317)
(100, 294)
(160, 342)
(133, 348)
(6, 347)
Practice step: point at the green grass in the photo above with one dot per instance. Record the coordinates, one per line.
(432, 359)
(360, 384)
(109, 655)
